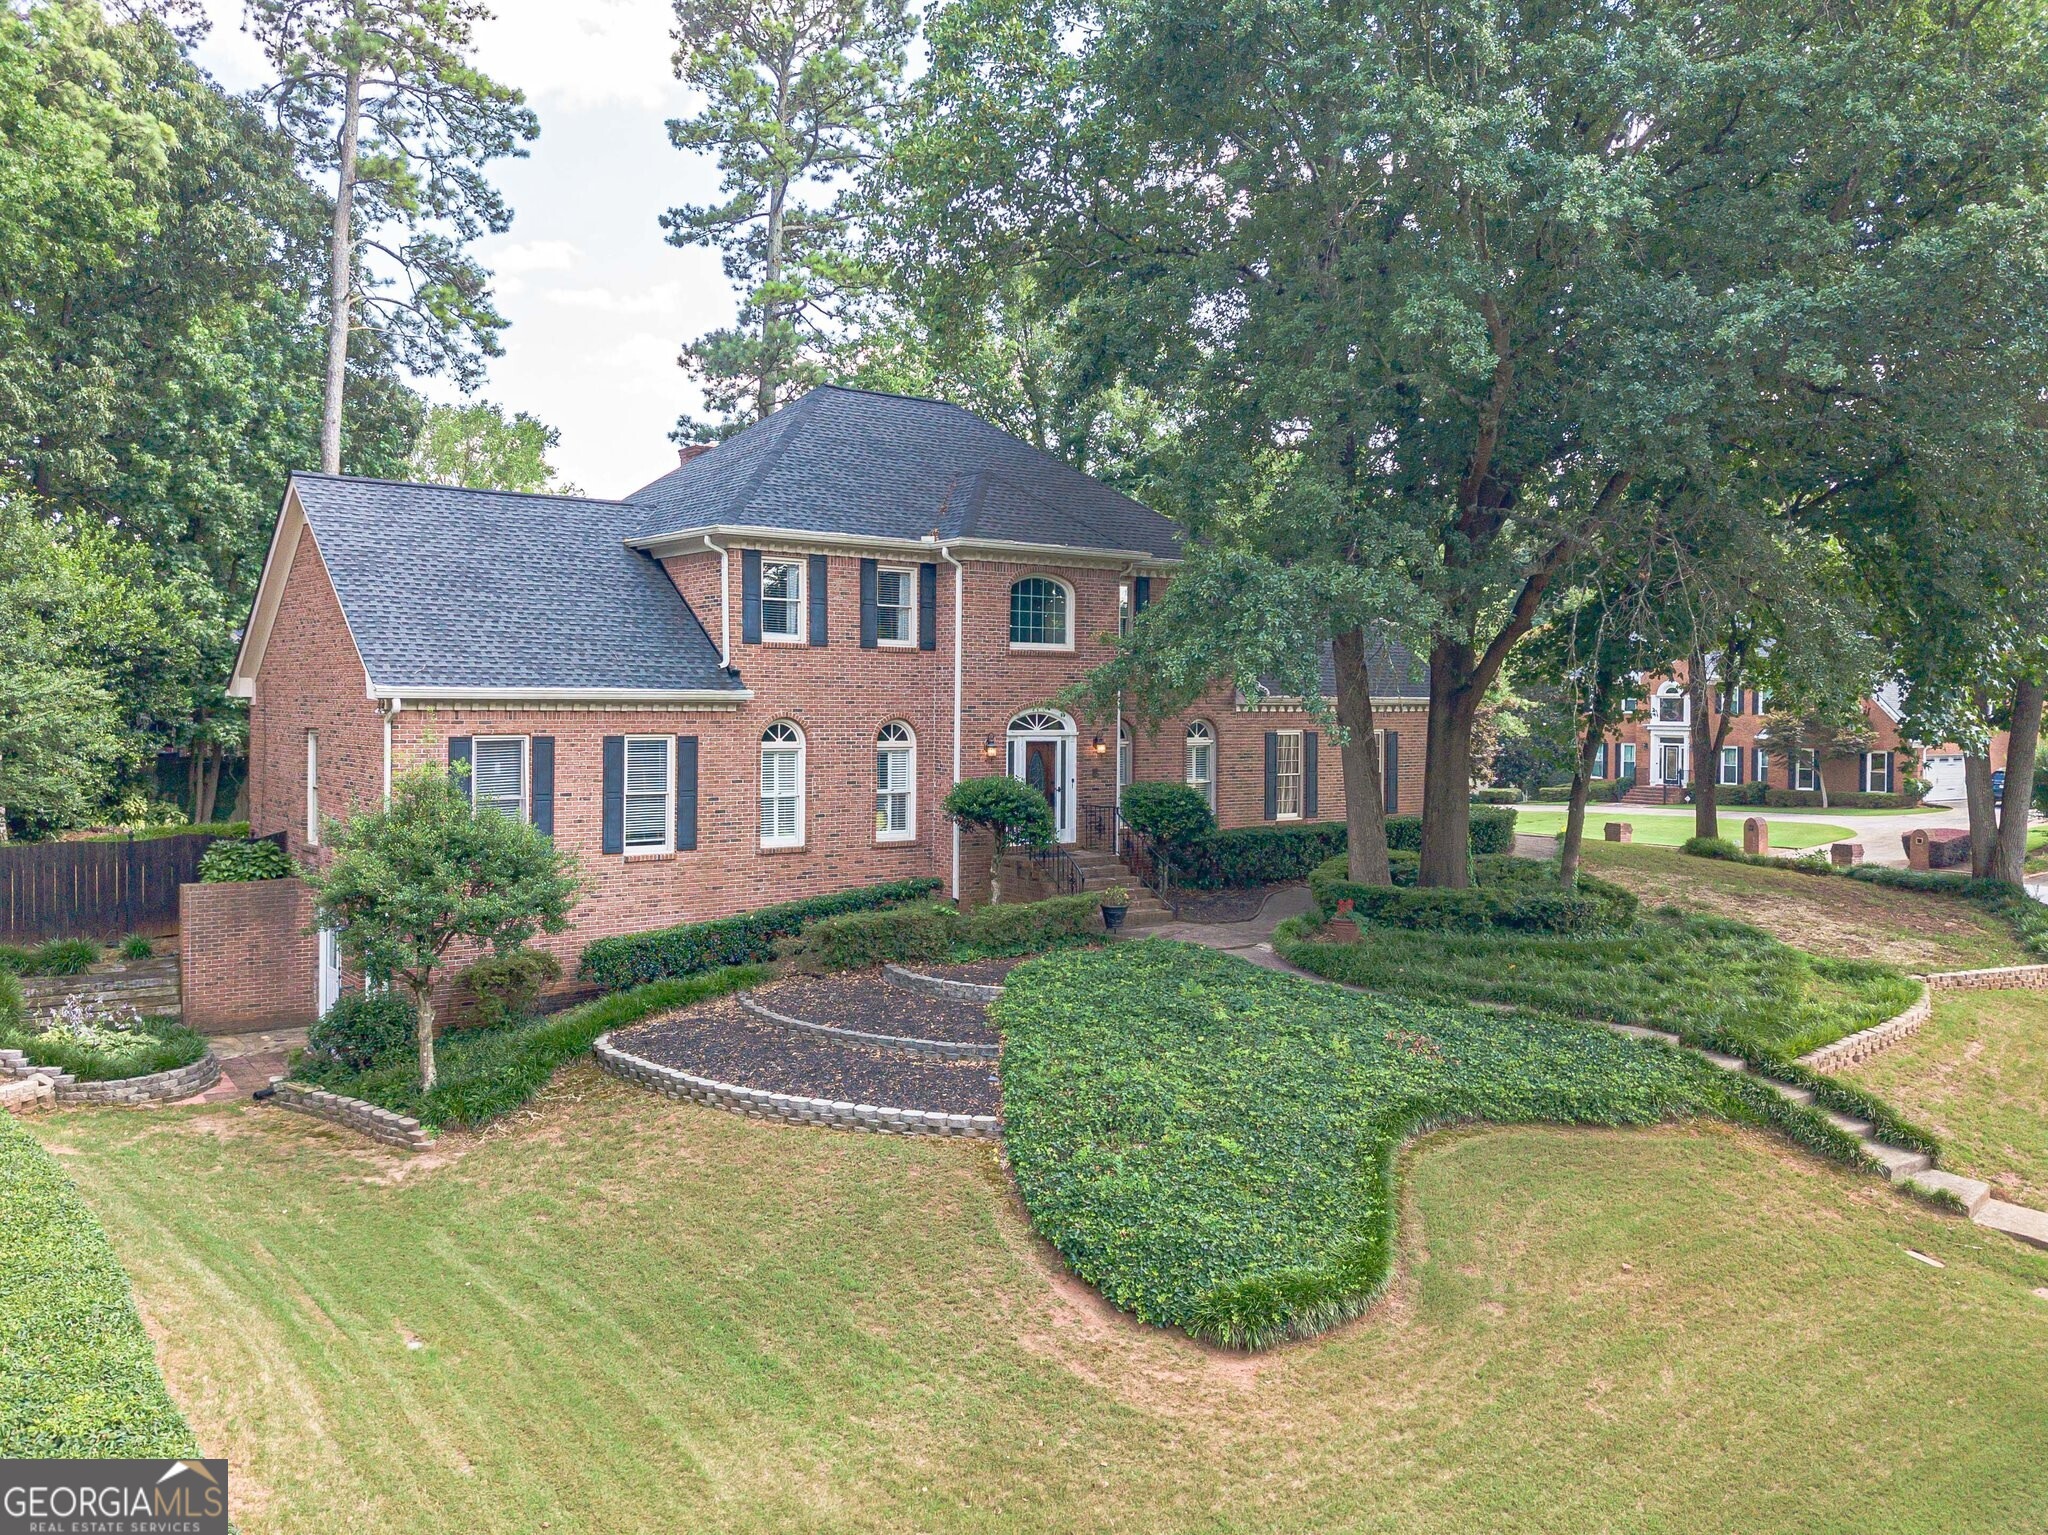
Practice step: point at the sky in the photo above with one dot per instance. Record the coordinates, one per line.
(599, 302)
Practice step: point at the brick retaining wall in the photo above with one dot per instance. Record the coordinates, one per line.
(248, 956)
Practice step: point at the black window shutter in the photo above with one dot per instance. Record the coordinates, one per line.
(1141, 594)
(1311, 801)
(458, 757)
(1390, 772)
(750, 596)
(686, 793)
(817, 596)
(541, 753)
(928, 607)
(615, 794)
(868, 603)
(1272, 775)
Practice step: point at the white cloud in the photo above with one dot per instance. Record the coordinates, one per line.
(585, 53)
(661, 299)
(534, 256)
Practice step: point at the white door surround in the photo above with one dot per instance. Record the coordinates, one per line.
(1668, 752)
(1041, 747)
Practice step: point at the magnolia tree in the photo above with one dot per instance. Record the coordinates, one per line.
(411, 880)
(1009, 809)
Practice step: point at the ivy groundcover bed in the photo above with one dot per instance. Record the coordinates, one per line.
(1211, 1145)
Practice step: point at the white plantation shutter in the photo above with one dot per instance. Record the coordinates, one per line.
(782, 773)
(497, 774)
(647, 791)
(895, 751)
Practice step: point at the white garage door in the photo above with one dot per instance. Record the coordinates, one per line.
(1945, 778)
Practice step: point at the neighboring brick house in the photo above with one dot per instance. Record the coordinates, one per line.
(1654, 745)
(755, 678)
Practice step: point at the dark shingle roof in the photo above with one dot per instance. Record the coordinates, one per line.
(890, 466)
(445, 587)
(1391, 667)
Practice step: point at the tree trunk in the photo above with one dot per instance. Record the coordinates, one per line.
(423, 1004)
(1447, 768)
(192, 783)
(1365, 804)
(1983, 815)
(1706, 810)
(1582, 790)
(340, 277)
(995, 867)
(2010, 864)
(209, 782)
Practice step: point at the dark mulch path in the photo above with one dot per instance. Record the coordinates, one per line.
(1221, 905)
(872, 1005)
(984, 972)
(717, 1040)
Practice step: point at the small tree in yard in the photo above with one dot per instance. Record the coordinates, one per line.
(1009, 808)
(406, 882)
(1829, 734)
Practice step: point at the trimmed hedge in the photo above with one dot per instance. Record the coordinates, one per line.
(1496, 796)
(1602, 791)
(1212, 1145)
(230, 863)
(931, 934)
(484, 1074)
(1809, 799)
(1507, 894)
(635, 959)
(80, 1378)
(1267, 855)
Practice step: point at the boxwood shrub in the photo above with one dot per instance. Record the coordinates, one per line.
(81, 1380)
(748, 938)
(931, 934)
(1507, 894)
(1266, 855)
(1501, 796)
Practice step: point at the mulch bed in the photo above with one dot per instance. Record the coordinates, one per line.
(872, 1005)
(716, 1040)
(1221, 905)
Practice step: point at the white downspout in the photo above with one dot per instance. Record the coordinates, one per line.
(391, 706)
(959, 600)
(724, 603)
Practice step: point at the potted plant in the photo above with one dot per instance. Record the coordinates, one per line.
(1343, 927)
(1116, 901)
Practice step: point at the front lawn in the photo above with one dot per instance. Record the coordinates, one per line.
(1714, 981)
(1655, 830)
(1210, 1144)
(637, 1315)
(1977, 1074)
(1840, 917)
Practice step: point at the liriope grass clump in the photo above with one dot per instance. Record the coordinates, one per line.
(1211, 1145)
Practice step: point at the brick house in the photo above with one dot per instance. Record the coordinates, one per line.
(1654, 744)
(755, 678)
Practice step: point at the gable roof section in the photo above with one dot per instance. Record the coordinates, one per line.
(852, 463)
(448, 590)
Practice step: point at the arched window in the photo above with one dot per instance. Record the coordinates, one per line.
(895, 783)
(1202, 761)
(782, 785)
(1040, 611)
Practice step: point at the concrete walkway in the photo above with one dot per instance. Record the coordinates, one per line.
(249, 1061)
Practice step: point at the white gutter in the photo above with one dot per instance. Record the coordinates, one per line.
(390, 706)
(681, 539)
(959, 608)
(698, 698)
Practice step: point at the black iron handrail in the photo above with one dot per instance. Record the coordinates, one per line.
(1141, 855)
(1054, 864)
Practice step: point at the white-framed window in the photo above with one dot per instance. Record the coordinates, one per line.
(1041, 614)
(1124, 762)
(1671, 706)
(1287, 776)
(1202, 761)
(895, 783)
(1877, 772)
(650, 794)
(895, 606)
(1627, 765)
(1731, 764)
(497, 774)
(782, 785)
(312, 788)
(1803, 771)
(782, 600)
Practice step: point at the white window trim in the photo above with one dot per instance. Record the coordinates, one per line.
(1869, 760)
(312, 788)
(909, 749)
(1067, 645)
(525, 773)
(1721, 775)
(802, 600)
(1280, 776)
(1806, 771)
(802, 748)
(1188, 743)
(909, 609)
(668, 799)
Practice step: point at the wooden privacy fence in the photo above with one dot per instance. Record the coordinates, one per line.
(96, 889)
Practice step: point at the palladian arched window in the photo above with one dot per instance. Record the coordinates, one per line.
(782, 785)
(1202, 761)
(1041, 612)
(895, 783)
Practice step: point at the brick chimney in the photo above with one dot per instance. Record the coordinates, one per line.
(685, 454)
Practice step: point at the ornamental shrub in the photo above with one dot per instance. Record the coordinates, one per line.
(12, 1008)
(229, 863)
(1171, 813)
(503, 987)
(362, 1030)
(1002, 804)
(1508, 895)
(1032, 926)
(1266, 855)
(1496, 796)
(634, 959)
(900, 935)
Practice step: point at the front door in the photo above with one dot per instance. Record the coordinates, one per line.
(330, 970)
(1671, 769)
(1042, 772)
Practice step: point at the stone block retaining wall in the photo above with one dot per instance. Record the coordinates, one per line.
(2005, 978)
(756, 1103)
(385, 1125)
(157, 1087)
(1867, 1042)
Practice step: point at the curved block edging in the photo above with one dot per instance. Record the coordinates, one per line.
(1865, 1043)
(156, 1087)
(2002, 978)
(942, 1049)
(758, 1103)
(379, 1124)
(943, 985)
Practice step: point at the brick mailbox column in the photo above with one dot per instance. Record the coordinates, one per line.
(1620, 831)
(1846, 855)
(1756, 836)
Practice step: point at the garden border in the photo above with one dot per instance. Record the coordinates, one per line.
(938, 1049)
(379, 1124)
(155, 1087)
(942, 985)
(757, 1103)
(1862, 1045)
